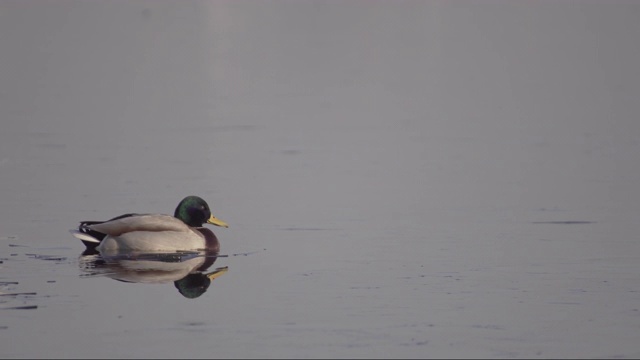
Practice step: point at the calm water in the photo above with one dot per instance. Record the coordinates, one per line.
(401, 179)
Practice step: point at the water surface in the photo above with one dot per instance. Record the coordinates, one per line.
(401, 179)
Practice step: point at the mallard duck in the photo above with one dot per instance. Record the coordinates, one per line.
(154, 232)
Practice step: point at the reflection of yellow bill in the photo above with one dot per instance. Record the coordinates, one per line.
(219, 271)
(217, 222)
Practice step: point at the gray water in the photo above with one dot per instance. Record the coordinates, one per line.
(401, 178)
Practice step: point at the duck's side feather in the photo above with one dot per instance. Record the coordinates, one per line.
(139, 222)
(168, 240)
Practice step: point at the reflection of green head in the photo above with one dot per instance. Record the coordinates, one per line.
(194, 285)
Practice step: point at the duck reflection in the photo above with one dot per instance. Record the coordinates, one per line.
(187, 270)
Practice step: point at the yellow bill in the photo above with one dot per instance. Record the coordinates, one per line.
(219, 271)
(217, 222)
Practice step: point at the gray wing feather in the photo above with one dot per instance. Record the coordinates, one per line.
(150, 222)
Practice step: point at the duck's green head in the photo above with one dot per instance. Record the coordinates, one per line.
(194, 211)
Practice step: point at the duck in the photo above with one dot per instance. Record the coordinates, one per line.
(183, 231)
